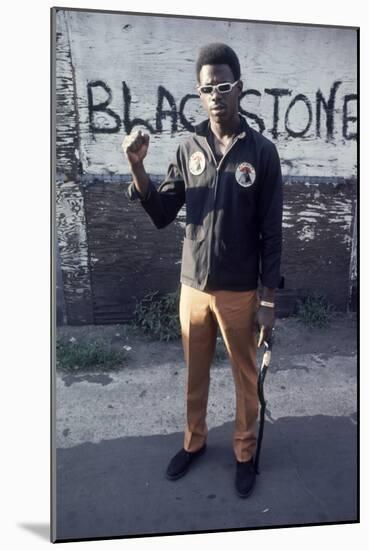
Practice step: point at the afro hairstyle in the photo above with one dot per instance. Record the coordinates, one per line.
(218, 54)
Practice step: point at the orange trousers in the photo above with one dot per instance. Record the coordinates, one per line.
(235, 314)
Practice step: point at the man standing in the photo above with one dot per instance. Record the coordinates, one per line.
(229, 177)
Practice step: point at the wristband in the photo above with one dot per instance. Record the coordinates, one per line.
(266, 304)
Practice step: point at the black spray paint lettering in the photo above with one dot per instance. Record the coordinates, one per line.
(347, 118)
(185, 123)
(307, 103)
(161, 113)
(128, 123)
(259, 121)
(276, 93)
(329, 109)
(114, 123)
(101, 108)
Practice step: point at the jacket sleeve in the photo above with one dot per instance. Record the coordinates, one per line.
(163, 204)
(270, 210)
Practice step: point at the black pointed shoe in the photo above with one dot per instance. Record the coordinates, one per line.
(245, 478)
(181, 462)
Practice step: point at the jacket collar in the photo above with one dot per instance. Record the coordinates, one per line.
(203, 128)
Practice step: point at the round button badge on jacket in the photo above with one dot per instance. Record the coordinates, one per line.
(245, 174)
(197, 163)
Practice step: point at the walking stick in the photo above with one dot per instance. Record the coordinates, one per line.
(263, 370)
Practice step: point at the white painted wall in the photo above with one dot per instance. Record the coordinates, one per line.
(147, 52)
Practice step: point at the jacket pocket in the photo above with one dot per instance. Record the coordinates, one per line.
(194, 259)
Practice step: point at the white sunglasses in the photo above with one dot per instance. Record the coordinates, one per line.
(222, 88)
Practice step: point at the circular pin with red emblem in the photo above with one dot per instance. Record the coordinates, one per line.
(245, 174)
(197, 163)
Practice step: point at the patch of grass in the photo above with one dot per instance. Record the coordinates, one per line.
(314, 311)
(80, 356)
(158, 315)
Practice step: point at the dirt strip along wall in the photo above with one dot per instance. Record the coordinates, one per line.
(119, 72)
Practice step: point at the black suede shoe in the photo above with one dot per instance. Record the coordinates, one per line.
(245, 478)
(181, 462)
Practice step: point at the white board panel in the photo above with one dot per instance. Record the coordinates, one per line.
(126, 61)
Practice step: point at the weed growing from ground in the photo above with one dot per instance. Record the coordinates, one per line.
(314, 311)
(74, 355)
(158, 315)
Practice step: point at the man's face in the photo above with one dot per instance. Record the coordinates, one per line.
(220, 107)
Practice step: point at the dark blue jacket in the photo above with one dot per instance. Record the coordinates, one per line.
(233, 210)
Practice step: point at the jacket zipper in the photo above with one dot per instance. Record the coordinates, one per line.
(215, 193)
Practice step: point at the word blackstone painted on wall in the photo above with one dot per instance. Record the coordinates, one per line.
(103, 119)
(134, 72)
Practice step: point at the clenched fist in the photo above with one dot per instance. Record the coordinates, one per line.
(135, 147)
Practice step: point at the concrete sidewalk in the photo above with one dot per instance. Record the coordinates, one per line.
(116, 433)
(117, 487)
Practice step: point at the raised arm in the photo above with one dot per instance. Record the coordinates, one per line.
(135, 146)
(162, 204)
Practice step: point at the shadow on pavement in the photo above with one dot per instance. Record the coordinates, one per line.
(118, 487)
